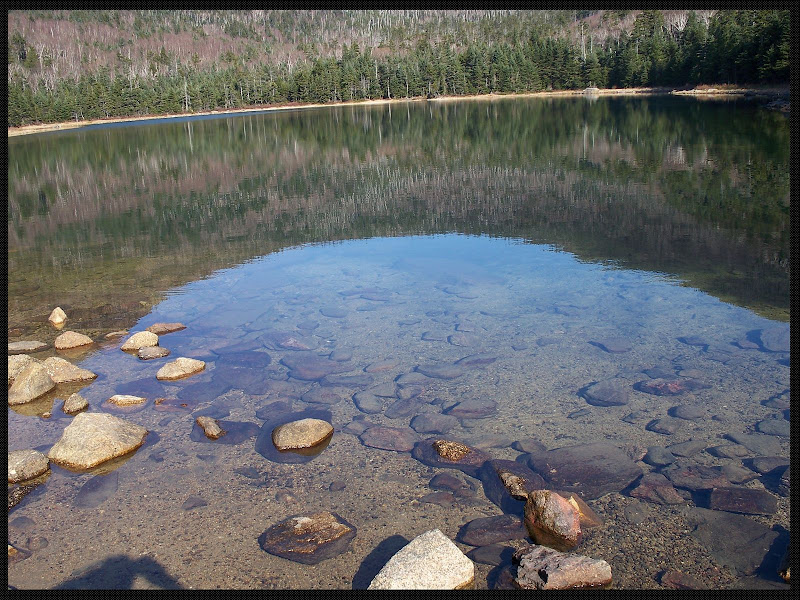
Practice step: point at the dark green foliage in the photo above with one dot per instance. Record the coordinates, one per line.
(741, 46)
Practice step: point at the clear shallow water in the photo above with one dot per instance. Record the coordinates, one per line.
(540, 311)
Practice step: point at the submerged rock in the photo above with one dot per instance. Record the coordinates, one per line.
(180, 368)
(31, 383)
(428, 562)
(143, 339)
(94, 438)
(304, 433)
(696, 477)
(97, 490)
(26, 464)
(775, 339)
(433, 423)
(592, 470)
(440, 452)
(164, 328)
(490, 530)
(382, 365)
(367, 402)
(310, 367)
(552, 521)
(63, 371)
(320, 395)
(441, 371)
(473, 409)
(743, 500)
(611, 392)
(282, 340)
(542, 568)
(654, 487)
(399, 439)
(670, 387)
(613, 344)
(507, 483)
(309, 538)
(71, 339)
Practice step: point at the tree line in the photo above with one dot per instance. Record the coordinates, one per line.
(735, 47)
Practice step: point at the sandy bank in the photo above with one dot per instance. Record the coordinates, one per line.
(776, 93)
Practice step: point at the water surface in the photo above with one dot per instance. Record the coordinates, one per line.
(544, 235)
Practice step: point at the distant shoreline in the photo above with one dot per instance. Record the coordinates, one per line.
(767, 93)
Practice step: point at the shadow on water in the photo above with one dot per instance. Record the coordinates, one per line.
(375, 560)
(119, 572)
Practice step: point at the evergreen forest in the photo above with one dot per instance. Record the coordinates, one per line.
(78, 65)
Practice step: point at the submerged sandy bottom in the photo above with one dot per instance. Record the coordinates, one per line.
(535, 309)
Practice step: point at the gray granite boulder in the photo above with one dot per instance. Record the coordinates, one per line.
(26, 464)
(94, 438)
(31, 383)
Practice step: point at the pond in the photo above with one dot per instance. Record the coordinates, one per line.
(520, 275)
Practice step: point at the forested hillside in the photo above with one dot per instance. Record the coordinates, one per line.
(75, 65)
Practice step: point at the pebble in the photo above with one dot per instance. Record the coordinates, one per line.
(210, 427)
(193, 502)
(57, 318)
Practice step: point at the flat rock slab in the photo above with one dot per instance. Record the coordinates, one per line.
(473, 409)
(304, 433)
(94, 438)
(63, 371)
(433, 423)
(382, 365)
(476, 360)
(97, 490)
(26, 464)
(764, 445)
(443, 499)
(743, 500)
(493, 554)
(687, 448)
(164, 328)
(696, 477)
(678, 580)
(362, 380)
(399, 439)
(665, 425)
(72, 339)
(687, 412)
(775, 339)
(542, 568)
(734, 541)
(31, 383)
(463, 339)
(252, 381)
(656, 488)
(143, 339)
(284, 340)
(334, 312)
(26, 347)
(610, 392)
(451, 454)
(180, 368)
(126, 400)
(428, 562)
(490, 530)
(367, 402)
(616, 345)
(309, 538)
(779, 427)
(592, 470)
(402, 408)
(310, 367)
(441, 371)
(670, 387)
(341, 354)
(319, 395)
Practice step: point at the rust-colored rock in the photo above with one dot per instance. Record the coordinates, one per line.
(552, 521)
(308, 539)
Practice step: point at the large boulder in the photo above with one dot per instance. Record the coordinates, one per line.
(308, 539)
(30, 384)
(592, 470)
(428, 562)
(94, 438)
(16, 365)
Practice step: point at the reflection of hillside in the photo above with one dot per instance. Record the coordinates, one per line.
(647, 187)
